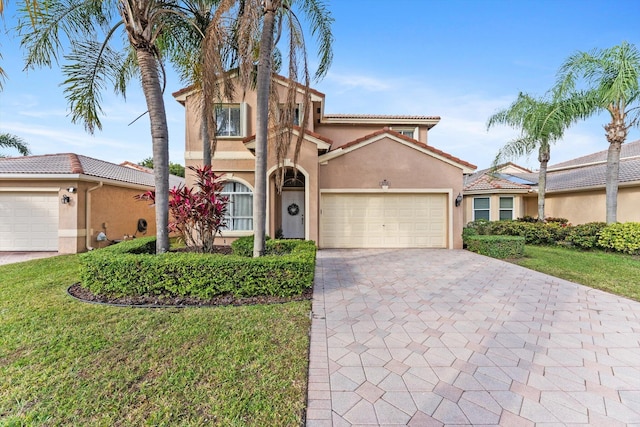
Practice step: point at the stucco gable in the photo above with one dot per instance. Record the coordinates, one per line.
(402, 139)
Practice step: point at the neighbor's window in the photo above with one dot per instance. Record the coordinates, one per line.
(240, 209)
(229, 120)
(506, 208)
(480, 208)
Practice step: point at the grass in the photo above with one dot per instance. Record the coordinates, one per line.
(611, 272)
(64, 362)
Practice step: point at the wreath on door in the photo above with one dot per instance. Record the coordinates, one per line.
(293, 209)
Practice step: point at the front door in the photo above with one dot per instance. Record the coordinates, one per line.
(293, 214)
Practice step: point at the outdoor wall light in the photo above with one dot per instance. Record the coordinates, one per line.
(459, 200)
(384, 184)
(72, 190)
(65, 199)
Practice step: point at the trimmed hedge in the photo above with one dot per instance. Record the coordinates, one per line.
(131, 268)
(622, 237)
(496, 246)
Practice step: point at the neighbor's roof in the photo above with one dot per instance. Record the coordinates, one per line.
(592, 175)
(74, 164)
(629, 149)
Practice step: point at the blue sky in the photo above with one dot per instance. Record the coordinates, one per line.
(461, 60)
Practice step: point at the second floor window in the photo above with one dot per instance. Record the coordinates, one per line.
(228, 120)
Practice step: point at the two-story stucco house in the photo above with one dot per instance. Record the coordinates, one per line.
(362, 181)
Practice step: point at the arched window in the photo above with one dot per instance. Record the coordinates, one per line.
(240, 210)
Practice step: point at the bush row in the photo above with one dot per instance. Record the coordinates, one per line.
(496, 246)
(131, 268)
(621, 237)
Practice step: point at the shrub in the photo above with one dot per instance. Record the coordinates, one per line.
(497, 246)
(509, 228)
(116, 271)
(527, 218)
(563, 221)
(244, 246)
(585, 236)
(622, 237)
(482, 226)
(197, 214)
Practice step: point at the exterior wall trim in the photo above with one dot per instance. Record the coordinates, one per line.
(220, 155)
(72, 232)
(29, 189)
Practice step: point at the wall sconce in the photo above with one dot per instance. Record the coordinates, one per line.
(384, 184)
(65, 199)
(72, 190)
(459, 200)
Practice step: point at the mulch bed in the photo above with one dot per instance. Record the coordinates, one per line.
(77, 291)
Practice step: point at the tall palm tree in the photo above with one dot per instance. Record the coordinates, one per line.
(611, 78)
(542, 122)
(93, 65)
(257, 27)
(11, 141)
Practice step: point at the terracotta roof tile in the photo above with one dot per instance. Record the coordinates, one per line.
(73, 164)
(488, 182)
(379, 117)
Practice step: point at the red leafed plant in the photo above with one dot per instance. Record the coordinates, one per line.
(197, 214)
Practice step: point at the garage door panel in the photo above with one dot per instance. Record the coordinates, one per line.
(383, 221)
(29, 221)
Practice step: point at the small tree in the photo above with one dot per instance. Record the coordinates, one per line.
(197, 214)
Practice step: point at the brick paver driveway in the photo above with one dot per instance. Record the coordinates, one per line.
(438, 337)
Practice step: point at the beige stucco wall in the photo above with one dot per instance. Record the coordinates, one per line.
(403, 167)
(590, 206)
(341, 134)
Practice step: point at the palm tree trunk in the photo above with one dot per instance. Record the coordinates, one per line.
(262, 119)
(206, 143)
(160, 141)
(613, 172)
(543, 157)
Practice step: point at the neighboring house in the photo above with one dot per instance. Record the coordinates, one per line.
(62, 202)
(361, 181)
(575, 189)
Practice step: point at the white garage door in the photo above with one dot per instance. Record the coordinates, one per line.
(29, 221)
(383, 220)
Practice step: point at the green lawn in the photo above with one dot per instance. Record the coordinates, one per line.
(612, 272)
(64, 362)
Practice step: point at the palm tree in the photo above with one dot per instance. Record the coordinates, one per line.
(612, 80)
(257, 28)
(11, 141)
(541, 122)
(93, 65)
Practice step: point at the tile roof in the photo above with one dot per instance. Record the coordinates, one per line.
(410, 140)
(74, 164)
(592, 175)
(629, 149)
(487, 182)
(379, 117)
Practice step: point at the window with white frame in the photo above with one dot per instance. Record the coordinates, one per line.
(506, 208)
(411, 132)
(230, 120)
(240, 209)
(481, 208)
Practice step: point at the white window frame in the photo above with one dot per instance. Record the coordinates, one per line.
(501, 209)
(406, 131)
(242, 106)
(229, 217)
(488, 209)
